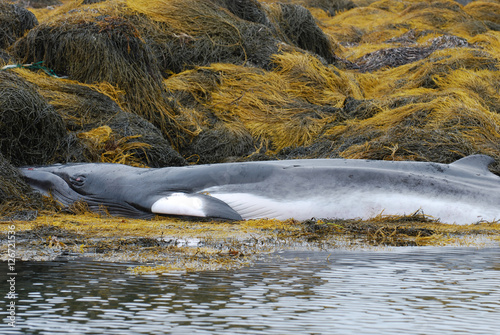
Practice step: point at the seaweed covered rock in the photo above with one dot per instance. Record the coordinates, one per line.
(249, 10)
(180, 34)
(89, 49)
(14, 22)
(221, 137)
(195, 32)
(412, 79)
(156, 151)
(17, 199)
(220, 143)
(43, 3)
(134, 44)
(296, 26)
(4, 57)
(448, 127)
(86, 109)
(439, 125)
(252, 110)
(487, 12)
(125, 139)
(95, 48)
(375, 22)
(330, 6)
(31, 132)
(184, 33)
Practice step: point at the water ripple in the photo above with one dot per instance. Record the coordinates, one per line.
(411, 290)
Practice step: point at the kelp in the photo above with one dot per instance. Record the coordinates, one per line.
(446, 16)
(351, 26)
(93, 49)
(379, 21)
(106, 147)
(296, 25)
(187, 33)
(249, 10)
(301, 100)
(14, 22)
(86, 107)
(134, 44)
(489, 41)
(299, 96)
(44, 3)
(332, 7)
(417, 75)
(277, 108)
(17, 200)
(487, 12)
(31, 132)
(482, 86)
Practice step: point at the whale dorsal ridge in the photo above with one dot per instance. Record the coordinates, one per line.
(474, 163)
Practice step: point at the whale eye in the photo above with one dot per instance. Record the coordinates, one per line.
(77, 181)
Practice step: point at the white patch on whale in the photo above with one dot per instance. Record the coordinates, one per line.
(179, 204)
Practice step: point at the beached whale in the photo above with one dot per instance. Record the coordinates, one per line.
(462, 192)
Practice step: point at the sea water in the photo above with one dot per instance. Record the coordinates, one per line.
(410, 290)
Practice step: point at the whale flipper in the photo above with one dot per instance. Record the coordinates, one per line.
(199, 205)
(477, 164)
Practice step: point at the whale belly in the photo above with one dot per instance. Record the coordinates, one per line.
(356, 205)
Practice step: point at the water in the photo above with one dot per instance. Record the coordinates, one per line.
(426, 290)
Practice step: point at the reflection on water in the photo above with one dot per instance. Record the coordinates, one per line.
(411, 290)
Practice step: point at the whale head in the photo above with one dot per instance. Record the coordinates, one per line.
(124, 190)
(101, 186)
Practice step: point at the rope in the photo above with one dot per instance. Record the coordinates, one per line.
(33, 66)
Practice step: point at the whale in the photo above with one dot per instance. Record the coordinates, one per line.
(463, 192)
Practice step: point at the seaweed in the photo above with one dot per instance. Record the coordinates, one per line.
(445, 128)
(4, 57)
(17, 200)
(31, 132)
(330, 6)
(296, 25)
(275, 108)
(14, 22)
(488, 11)
(183, 34)
(406, 230)
(249, 10)
(87, 107)
(103, 48)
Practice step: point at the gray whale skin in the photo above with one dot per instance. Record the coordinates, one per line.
(462, 192)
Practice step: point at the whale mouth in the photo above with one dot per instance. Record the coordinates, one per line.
(50, 184)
